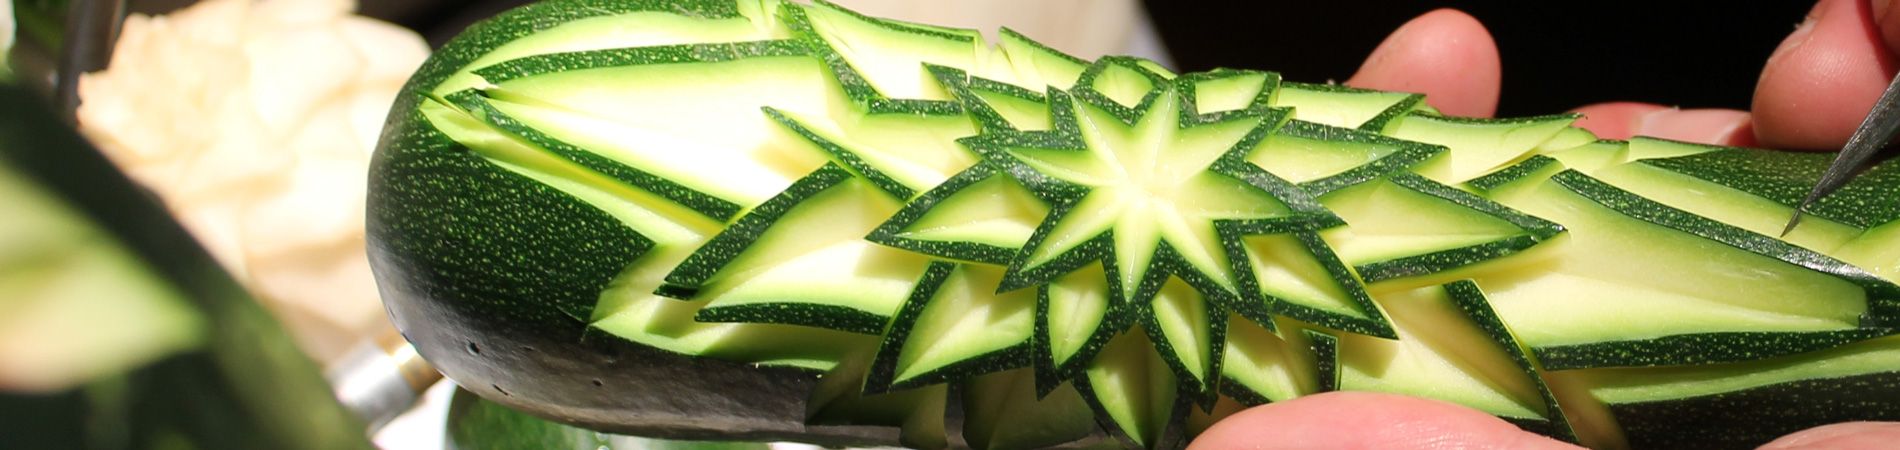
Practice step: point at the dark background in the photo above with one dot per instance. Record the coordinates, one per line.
(1557, 54)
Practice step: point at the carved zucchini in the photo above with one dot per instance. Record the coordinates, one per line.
(847, 220)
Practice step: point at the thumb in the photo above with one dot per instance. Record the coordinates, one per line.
(1825, 76)
(1446, 55)
(1887, 17)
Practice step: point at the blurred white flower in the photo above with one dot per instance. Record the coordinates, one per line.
(254, 122)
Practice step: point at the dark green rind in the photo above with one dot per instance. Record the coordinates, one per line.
(1468, 298)
(839, 318)
(1514, 172)
(1085, 91)
(432, 201)
(686, 279)
(1494, 121)
(1883, 297)
(1394, 112)
(1169, 263)
(1752, 417)
(1232, 388)
(1063, 134)
(706, 204)
(963, 87)
(1326, 357)
(1259, 307)
(1698, 348)
(889, 233)
(1304, 204)
(1784, 177)
(1537, 230)
(882, 377)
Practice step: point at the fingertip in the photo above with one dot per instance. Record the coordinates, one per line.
(1823, 79)
(1366, 420)
(1445, 54)
(1851, 435)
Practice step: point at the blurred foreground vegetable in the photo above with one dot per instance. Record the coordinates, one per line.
(117, 331)
(253, 121)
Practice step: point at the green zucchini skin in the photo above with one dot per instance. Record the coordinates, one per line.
(505, 244)
(467, 310)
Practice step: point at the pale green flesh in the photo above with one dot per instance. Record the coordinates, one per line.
(1476, 148)
(839, 400)
(965, 319)
(1078, 302)
(1228, 93)
(714, 139)
(815, 254)
(1300, 159)
(1387, 221)
(1438, 355)
(1182, 316)
(1002, 410)
(1122, 84)
(1021, 113)
(1287, 270)
(1877, 250)
(1276, 366)
(1635, 385)
(1150, 183)
(891, 58)
(1589, 158)
(1641, 148)
(1596, 291)
(918, 151)
(1133, 386)
(629, 308)
(1037, 67)
(1728, 205)
(1346, 109)
(1567, 139)
(995, 211)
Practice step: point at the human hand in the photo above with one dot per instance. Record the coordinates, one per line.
(1811, 95)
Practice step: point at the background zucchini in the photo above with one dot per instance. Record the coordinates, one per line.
(777, 211)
